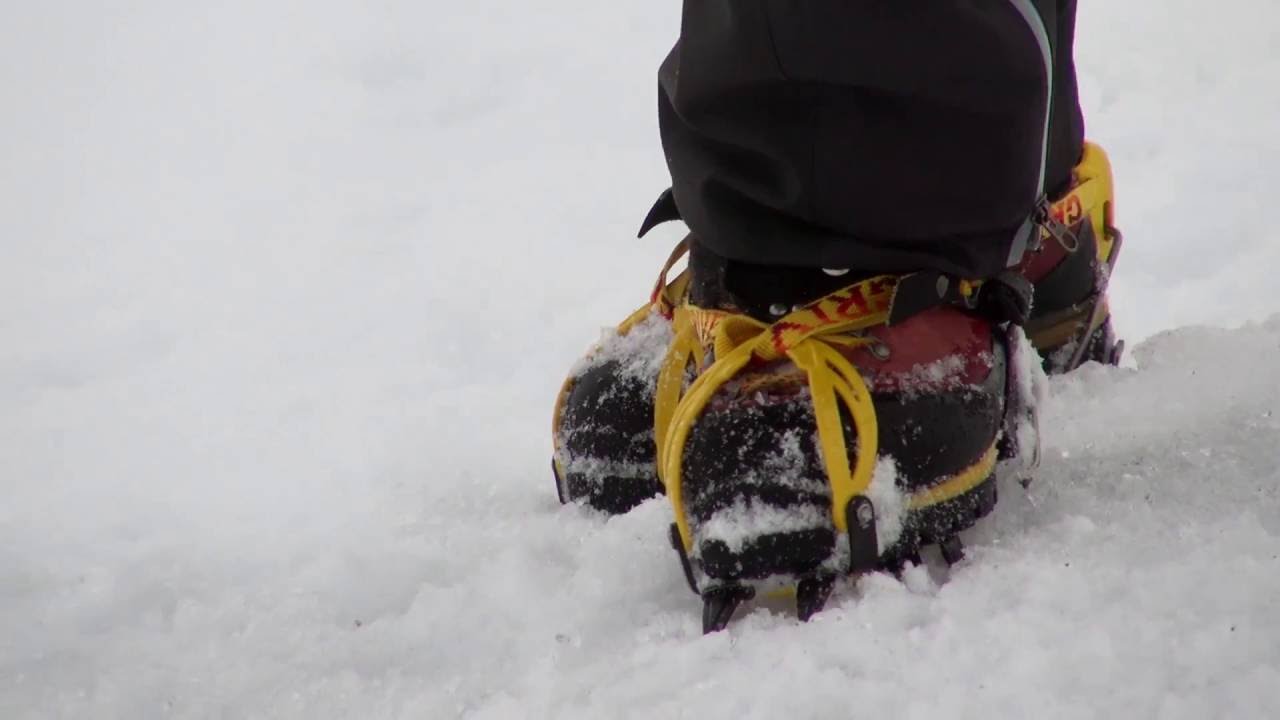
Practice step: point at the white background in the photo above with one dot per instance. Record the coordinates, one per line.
(286, 292)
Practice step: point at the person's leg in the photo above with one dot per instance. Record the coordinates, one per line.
(889, 137)
(1066, 120)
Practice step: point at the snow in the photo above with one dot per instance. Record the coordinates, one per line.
(744, 521)
(288, 290)
(889, 501)
(945, 373)
(1032, 389)
(639, 352)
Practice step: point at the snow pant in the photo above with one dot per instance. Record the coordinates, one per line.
(869, 134)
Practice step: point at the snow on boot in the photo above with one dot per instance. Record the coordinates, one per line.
(812, 424)
(602, 427)
(1070, 318)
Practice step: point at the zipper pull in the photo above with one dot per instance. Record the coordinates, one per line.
(1060, 232)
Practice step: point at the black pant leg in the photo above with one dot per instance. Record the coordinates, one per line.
(1066, 121)
(885, 136)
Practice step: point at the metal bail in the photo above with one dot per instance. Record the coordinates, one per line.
(864, 550)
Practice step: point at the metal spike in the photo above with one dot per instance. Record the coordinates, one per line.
(719, 604)
(952, 549)
(1117, 353)
(812, 595)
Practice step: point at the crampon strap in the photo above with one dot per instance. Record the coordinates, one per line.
(811, 338)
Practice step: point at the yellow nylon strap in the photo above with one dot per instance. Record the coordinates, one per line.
(666, 296)
(831, 376)
(685, 350)
(808, 338)
(673, 425)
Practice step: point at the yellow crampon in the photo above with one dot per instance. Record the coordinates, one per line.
(810, 338)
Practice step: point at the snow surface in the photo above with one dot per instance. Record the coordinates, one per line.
(286, 295)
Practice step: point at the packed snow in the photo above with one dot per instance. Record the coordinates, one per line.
(288, 290)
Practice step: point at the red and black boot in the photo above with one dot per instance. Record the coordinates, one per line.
(808, 424)
(804, 428)
(813, 424)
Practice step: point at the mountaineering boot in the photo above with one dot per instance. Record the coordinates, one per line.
(1070, 319)
(813, 424)
(807, 424)
(602, 426)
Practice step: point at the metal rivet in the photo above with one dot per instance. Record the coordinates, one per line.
(836, 272)
(865, 514)
(777, 309)
(943, 285)
(880, 351)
